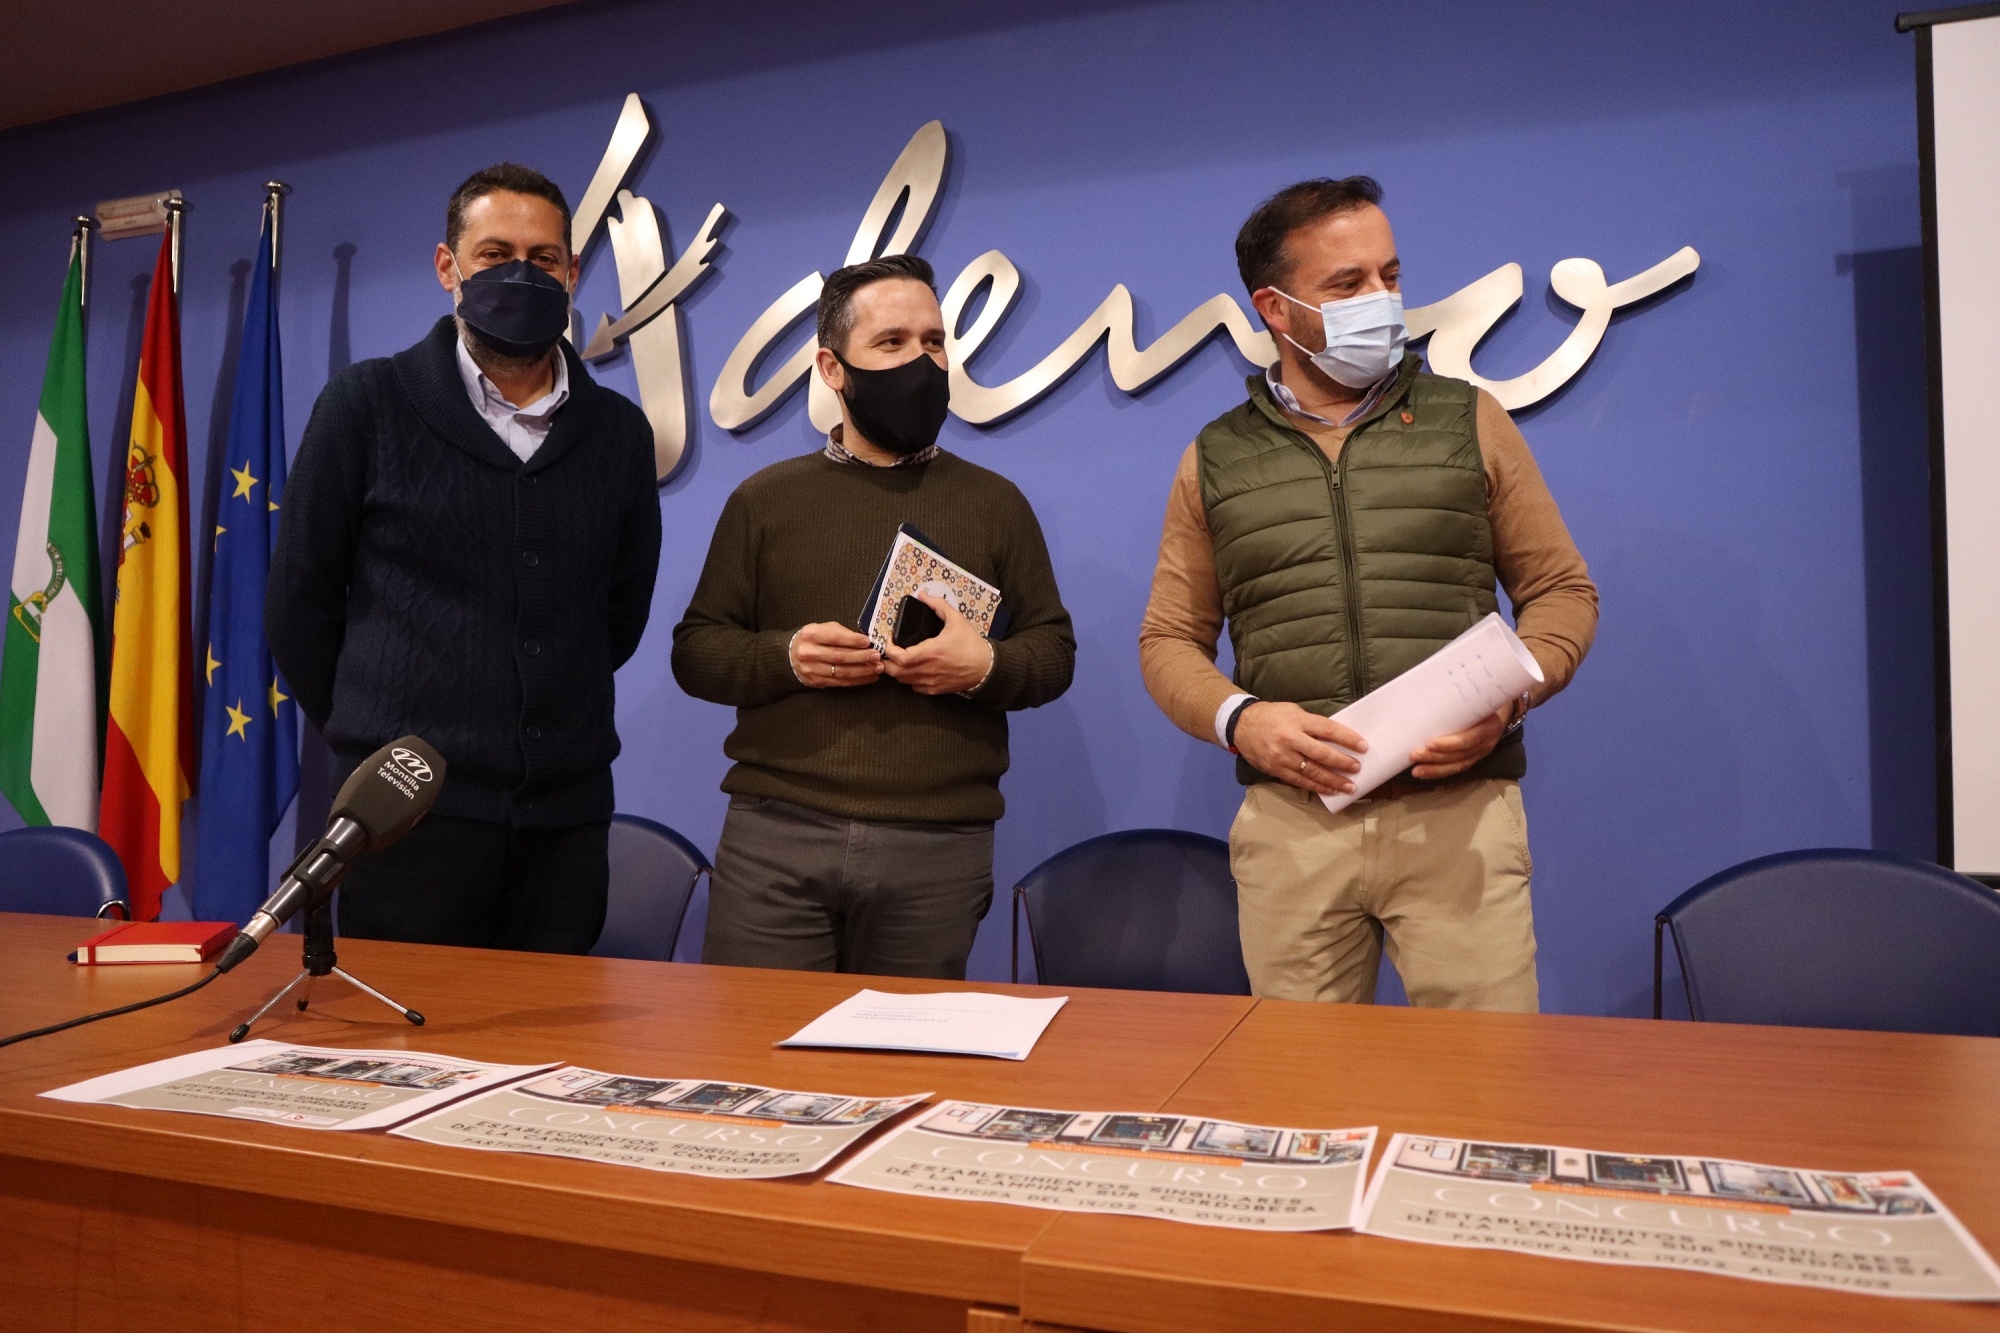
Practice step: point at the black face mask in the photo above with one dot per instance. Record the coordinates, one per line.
(514, 308)
(900, 409)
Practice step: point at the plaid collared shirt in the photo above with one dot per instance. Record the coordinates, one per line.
(839, 453)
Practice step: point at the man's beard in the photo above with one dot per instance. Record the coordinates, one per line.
(493, 360)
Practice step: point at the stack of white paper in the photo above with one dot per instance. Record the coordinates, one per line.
(1472, 677)
(955, 1023)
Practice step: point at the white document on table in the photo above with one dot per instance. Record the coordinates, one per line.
(1472, 677)
(309, 1087)
(1880, 1232)
(694, 1126)
(1183, 1168)
(954, 1023)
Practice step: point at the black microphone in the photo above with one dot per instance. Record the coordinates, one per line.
(381, 801)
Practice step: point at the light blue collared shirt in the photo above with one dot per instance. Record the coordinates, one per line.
(521, 429)
(1290, 401)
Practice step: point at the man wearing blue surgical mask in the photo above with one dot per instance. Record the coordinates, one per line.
(1350, 518)
(466, 551)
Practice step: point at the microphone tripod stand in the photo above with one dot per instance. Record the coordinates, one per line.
(320, 961)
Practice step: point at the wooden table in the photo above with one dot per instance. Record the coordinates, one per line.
(1789, 1096)
(112, 1218)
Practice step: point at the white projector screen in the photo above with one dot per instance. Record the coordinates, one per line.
(1958, 70)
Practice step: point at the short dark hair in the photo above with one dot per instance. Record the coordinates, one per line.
(1260, 245)
(509, 176)
(836, 298)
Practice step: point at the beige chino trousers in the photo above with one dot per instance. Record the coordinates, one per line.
(1440, 878)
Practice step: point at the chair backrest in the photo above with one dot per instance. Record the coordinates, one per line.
(60, 872)
(653, 874)
(1145, 909)
(1841, 938)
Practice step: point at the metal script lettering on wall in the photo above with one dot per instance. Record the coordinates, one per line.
(908, 195)
(650, 291)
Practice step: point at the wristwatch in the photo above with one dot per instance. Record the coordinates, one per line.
(1519, 717)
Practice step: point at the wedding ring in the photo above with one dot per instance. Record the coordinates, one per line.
(1302, 764)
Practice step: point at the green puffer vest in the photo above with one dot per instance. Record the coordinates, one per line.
(1338, 578)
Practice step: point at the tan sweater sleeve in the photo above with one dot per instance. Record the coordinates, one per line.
(1177, 639)
(1546, 580)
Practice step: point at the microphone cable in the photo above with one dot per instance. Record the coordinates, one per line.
(380, 802)
(110, 1013)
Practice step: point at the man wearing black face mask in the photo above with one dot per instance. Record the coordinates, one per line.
(860, 828)
(467, 552)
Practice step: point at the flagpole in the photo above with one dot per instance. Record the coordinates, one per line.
(274, 199)
(175, 207)
(84, 225)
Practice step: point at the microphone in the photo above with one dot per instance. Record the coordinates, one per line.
(380, 802)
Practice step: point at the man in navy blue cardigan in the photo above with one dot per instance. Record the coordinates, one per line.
(466, 552)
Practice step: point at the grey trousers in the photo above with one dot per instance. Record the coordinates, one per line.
(794, 888)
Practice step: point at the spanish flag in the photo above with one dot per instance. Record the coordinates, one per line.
(149, 738)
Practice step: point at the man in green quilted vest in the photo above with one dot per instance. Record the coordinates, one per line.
(1350, 518)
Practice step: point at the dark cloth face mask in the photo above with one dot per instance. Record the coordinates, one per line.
(515, 309)
(900, 409)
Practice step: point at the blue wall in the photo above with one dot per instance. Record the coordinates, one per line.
(1742, 463)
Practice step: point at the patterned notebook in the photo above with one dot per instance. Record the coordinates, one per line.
(916, 564)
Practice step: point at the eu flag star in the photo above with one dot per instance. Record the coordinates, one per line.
(244, 481)
(212, 664)
(278, 696)
(238, 720)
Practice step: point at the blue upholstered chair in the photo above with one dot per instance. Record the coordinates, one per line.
(60, 872)
(1145, 909)
(1838, 938)
(653, 874)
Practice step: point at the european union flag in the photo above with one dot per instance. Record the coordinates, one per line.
(250, 727)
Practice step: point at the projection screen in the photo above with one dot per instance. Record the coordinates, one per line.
(1958, 77)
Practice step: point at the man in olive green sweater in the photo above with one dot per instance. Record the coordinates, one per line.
(860, 829)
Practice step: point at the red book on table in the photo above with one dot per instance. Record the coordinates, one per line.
(156, 942)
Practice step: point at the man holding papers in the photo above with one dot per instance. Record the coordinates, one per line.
(860, 828)
(1347, 521)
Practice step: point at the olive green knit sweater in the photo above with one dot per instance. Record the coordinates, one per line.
(801, 542)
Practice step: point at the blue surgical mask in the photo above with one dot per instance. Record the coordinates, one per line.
(1365, 337)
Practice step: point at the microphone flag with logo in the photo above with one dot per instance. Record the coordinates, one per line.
(250, 729)
(48, 678)
(382, 799)
(149, 735)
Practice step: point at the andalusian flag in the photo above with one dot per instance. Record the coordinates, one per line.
(250, 726)
(48, 675)
(149, 739)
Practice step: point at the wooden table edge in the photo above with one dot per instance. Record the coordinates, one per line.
(713, 1234)
(1109, 1296)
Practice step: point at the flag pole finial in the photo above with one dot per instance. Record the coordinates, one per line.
(274, 199)
(176, 208)
(82, 225)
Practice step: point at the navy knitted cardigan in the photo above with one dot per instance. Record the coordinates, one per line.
(427, 581)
